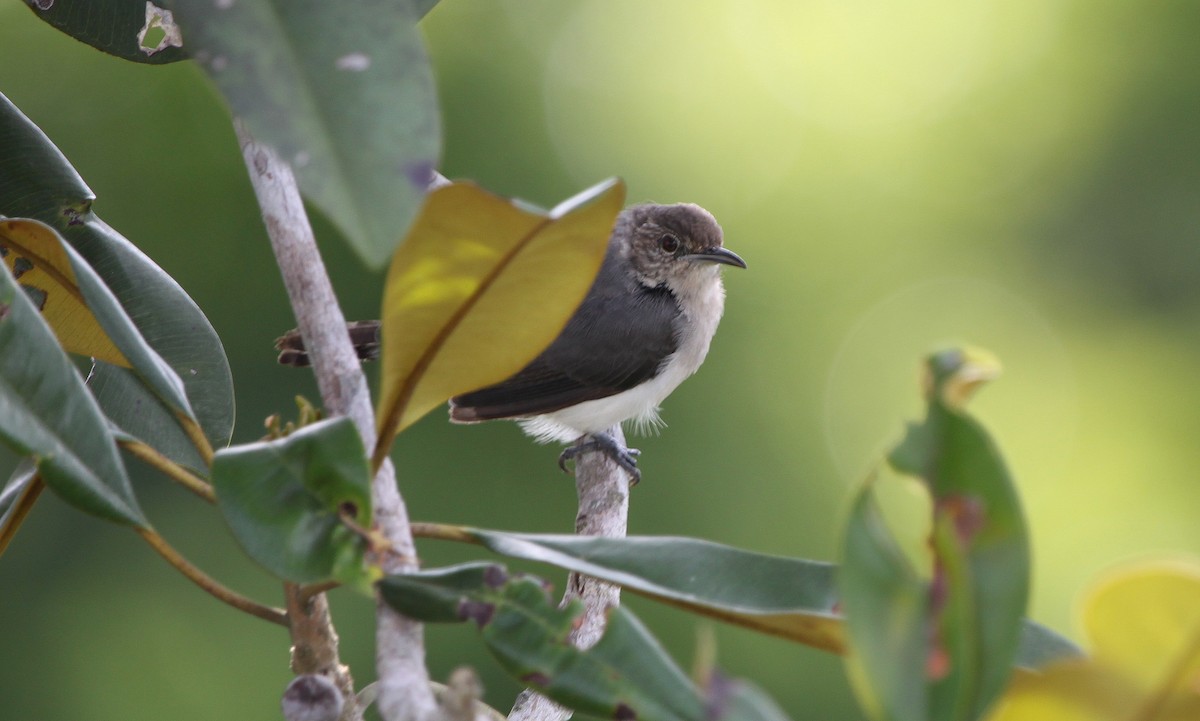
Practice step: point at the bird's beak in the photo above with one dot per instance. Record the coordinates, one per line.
(718, 255)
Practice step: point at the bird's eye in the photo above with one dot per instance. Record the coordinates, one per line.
(668, 243)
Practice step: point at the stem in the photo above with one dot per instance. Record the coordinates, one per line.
(171, 469)
(315, 642)
(306, 592)
(442, 532)
(404, 691)
(196, 435)
(207, 583)
(603, 490)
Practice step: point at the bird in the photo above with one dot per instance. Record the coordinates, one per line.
(644, 326)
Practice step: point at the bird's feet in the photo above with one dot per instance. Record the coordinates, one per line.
(624, 457)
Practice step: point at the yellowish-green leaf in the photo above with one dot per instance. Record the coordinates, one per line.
(34, 254)
(478, 289)
(1144, 627)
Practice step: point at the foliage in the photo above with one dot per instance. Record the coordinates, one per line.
(479, 285)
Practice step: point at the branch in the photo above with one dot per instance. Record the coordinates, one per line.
(400, 646)
(603, 511)
(206, 582)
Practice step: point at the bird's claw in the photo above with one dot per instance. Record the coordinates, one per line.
(625, 458)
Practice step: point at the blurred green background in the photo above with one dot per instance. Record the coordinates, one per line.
(1021, 175)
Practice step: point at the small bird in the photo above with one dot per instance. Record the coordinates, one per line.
(644, 326)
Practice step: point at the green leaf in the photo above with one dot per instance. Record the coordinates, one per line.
(626, 674)
(135, 30)
(132, 408)
(793, 598)
(740, 700)
(46, 412)
(343, 91)
(942, 647)
(789, 597)
(36, 181)
(1040, 647)
(479, 288)
(886, 605)
(285, 501)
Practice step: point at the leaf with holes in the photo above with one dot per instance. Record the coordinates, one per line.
(137, 30)
(47, 413)
(1143, 625)
(299, 505)
(343, 91)
(479, 288)
(940, 644)
(36, 181)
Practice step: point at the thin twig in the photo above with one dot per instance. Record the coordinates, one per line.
(207, 583)
(404, 691)
(170, 468)
(603, 490)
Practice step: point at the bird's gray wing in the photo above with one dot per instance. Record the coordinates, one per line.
(613, 342)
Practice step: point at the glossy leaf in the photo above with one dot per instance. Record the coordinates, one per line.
(47, 413)
(36, 181)
(132, 408)
(792, 598)
(625, 675)
(285, 501)
(84, 314)
(344, 93)
(480, 287)
(135, 30)
(1143, 624)
(943, 647)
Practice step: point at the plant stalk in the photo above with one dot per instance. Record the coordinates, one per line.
(207, 583)
(404, 692)
(171, 469)
(603, 490)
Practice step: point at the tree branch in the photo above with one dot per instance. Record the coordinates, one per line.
(404, 690)
(603, 490)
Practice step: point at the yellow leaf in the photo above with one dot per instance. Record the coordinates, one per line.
(34, 255)
(478, 289)
(1143, 623)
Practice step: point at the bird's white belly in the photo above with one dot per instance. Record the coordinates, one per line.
(639, 404)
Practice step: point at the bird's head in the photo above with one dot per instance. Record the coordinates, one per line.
(678, 246)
